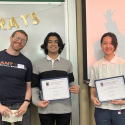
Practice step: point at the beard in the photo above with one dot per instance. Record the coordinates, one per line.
(16, 46)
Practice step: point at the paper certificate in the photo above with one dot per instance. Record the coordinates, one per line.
(110, 89)
(12, 117)
(54, 89)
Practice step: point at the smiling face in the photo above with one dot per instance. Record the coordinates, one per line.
(107, 46)
(18, 44)
(52, 45)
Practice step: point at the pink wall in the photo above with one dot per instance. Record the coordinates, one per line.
(96, 20)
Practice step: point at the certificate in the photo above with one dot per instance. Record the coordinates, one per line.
(110, 88)
(12, 117)
(55, 88)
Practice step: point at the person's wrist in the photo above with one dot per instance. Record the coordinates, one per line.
(123, 101)
(38, 104)
(1, 104)
(27, 100)
(92, 96)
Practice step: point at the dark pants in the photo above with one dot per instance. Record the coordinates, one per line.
(49, 119)
(109, 117)
(26, 117)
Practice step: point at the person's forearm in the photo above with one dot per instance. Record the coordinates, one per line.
(93, 92)
(36, 96)
(28, 91)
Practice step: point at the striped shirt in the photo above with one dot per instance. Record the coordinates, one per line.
(44, 69)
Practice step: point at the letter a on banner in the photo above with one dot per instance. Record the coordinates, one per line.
(13, 23)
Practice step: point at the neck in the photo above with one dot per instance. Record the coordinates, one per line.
(53, 55)
(12, 52)
(109, 57)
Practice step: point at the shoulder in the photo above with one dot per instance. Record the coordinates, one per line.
(2, 52)
(62, 60)
(66, 63)
(98, 63)
(41, 61)
(120, 60)
(25, 60)
(24, 57)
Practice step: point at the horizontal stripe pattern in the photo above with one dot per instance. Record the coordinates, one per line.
(50, 74)
(43, 69)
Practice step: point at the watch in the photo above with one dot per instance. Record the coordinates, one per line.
(27, 100)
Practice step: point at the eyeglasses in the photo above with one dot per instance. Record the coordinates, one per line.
(22, 40)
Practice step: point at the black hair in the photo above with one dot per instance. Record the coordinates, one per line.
(114, 39)
(60, 42)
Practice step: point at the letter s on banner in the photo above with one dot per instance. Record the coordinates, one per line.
(34, 18)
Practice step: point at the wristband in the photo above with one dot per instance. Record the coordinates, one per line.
(27, 100)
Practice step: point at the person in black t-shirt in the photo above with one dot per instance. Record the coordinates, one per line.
(15, 80)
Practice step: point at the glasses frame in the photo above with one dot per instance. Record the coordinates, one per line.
(19, 38)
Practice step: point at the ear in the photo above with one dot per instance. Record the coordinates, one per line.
(10, 39)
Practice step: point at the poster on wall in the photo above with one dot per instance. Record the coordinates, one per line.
(101, 17)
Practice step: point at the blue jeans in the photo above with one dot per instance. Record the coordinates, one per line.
(26, 117)
(109, 117)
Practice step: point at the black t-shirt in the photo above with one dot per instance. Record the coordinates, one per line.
(15, 71)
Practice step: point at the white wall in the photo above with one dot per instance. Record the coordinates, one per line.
(53, 18)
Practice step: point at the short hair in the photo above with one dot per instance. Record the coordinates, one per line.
(60, 42)
(20, 31)
(114, 39)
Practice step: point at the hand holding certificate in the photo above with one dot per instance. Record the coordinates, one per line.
(117, 102)
(12, 118)
(43, 104)
(110, 89)
(74, 89)
(54, 89)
